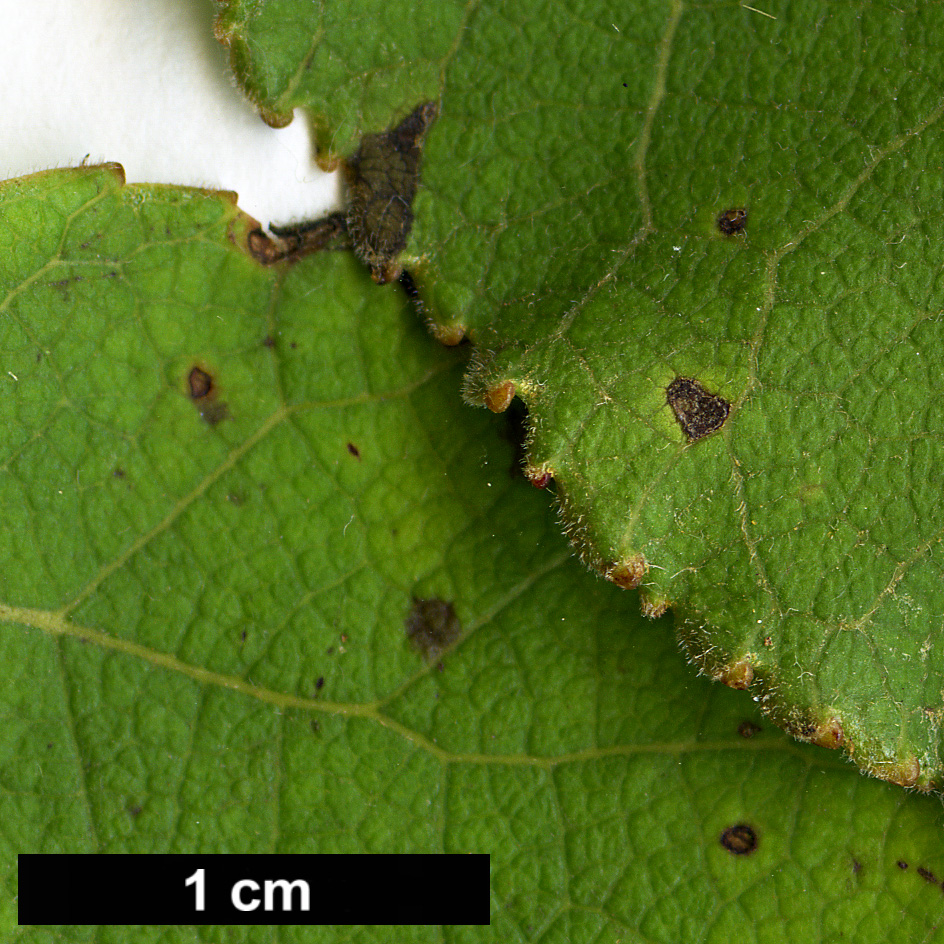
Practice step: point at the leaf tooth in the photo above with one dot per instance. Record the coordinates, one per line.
(498, 398)
(738, 674)
(628, 573)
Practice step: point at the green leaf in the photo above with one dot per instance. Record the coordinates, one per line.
(700, 243)
(207, 586)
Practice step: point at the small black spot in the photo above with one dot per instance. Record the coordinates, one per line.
(201, 384)
(135, 809)
(747, 729)
(432, 626)
(330, 650)
(319, 684)
(856, 866)
(268, 341)
(698, 412)
(733, 221)
(242, 636)
(293, 345)
(353, 450)
(119, 473)
(902, 865)
(315, 726)
(625, 85)
(740, 839)
(929, 876)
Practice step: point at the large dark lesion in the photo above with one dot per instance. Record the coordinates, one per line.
(698, 412)
(382, 178)
(432, 626)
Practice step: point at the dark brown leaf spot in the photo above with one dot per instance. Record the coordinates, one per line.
(382, 180)
(929, 877)
(319, 684)
(432, 626)
(740, 839)
(733, 221)
(263, 248)
(698, 412)
(201, 384)
(202, 390)
(353, 450)
(902, 865)
(747, 729)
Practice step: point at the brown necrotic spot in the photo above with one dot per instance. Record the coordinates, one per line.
(382, 180)
(353, 450)
(740, 839)
(432, 626)
(733, 221)
(202, 390)
(698, 412)
(201, 383)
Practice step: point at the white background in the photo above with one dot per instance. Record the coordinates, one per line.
(144, 83)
